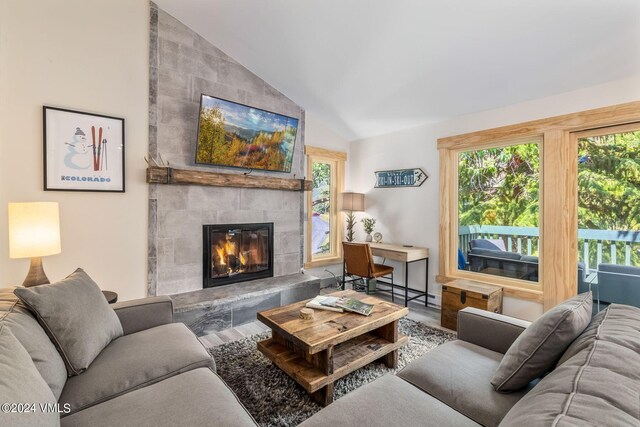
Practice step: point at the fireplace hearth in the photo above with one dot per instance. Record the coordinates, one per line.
(236, 253)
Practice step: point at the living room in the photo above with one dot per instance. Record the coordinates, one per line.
(242, 170)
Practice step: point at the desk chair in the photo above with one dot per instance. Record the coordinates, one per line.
(358, 261)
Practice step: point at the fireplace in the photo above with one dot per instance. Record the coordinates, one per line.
(236, 253)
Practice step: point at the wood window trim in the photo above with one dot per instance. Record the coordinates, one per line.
(337, 159)
(558, 209)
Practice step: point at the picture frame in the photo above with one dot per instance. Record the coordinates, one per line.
(83, 151)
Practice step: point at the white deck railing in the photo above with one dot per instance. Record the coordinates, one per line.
(525, 240)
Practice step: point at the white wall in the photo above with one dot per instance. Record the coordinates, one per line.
(90, 56)
(410, 215)
(318, 134)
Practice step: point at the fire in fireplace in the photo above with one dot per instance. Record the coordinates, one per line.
(237, 253)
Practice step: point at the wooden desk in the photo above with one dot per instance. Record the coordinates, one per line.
(406, 254)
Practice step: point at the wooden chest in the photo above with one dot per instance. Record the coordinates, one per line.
(459, 294)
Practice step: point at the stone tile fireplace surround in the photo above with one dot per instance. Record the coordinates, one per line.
(183, 66)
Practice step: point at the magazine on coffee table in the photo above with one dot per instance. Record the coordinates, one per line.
(322, 302)
(355, 306)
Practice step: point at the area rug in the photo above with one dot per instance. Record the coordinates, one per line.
(275, 400)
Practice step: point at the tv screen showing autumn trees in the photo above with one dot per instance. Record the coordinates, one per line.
(231, 134)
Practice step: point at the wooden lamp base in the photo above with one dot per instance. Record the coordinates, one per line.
(36, 274)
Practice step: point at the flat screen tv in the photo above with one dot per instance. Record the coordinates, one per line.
(236, 135)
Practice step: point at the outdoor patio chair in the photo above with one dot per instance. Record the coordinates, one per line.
(619, 284)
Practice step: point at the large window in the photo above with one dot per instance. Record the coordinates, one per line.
(324, 231)
(498, 211)
(609, 214)
(557, 198)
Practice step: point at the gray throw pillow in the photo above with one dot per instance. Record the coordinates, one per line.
(76, 316)
(20, 384)
(539, 347)
(23, 325)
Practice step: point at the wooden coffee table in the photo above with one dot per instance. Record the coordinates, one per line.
(319, 351)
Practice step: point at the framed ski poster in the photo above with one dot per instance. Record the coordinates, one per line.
(82, 151)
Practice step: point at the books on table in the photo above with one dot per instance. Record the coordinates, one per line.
(322, 302)
(355, 306)
(329, 303)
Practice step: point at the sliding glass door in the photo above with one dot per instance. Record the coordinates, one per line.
(609, 214)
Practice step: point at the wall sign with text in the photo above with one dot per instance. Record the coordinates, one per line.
(400, 178)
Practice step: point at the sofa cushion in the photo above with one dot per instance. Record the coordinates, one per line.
(599, 384)
(541, 345)
(134, 361)
(21, 383)
(195, 398)
(23, 325)
(496, 253)
(620, 269)
(495, 244)
(76, 316)
(388, 401)
(458, 373)
(585, 339)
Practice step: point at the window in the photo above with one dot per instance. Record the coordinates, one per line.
(586, 214)
(609, 214)
(498, 211)
(324, 227)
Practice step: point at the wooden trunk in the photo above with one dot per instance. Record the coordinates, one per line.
(459, 294)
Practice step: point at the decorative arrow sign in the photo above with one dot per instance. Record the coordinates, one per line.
(400, 178)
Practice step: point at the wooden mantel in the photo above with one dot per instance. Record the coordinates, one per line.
(167, 175)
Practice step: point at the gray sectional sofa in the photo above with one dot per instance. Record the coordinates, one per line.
(157, 373)
(595, 382)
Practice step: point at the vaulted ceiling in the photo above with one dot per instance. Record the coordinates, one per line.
(368, 67)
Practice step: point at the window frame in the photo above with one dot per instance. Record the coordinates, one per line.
(558, 198)
(508, 282)
(337, 161)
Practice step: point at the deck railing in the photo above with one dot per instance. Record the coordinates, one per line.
(615, 247)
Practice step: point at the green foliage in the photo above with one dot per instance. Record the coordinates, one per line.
(325, 247)
(321, 178)
(212, 147)
(368, 224)
(609, 182)
(500, 186)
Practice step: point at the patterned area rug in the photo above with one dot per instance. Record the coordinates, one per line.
(274, 399)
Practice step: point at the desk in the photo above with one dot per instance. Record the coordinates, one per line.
(407, 255)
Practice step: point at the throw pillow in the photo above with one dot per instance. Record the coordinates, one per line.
(22, 323)
(540, 346)
(76, 316)
(27, 399)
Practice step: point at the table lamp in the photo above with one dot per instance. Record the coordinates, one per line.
(352, 202)
(34, 232)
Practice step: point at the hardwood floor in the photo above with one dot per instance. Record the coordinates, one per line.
(417, 311)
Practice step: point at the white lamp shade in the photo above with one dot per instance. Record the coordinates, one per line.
(34, 229)
(353, 202)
